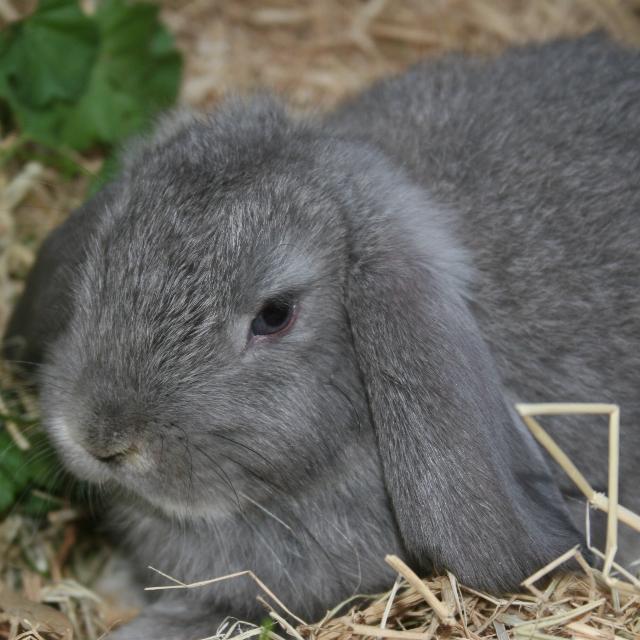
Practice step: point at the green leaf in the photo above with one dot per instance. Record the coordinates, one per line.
(136, 75)
(87, 81)
(21, 471)
(7, 493)
(38, 506)
(43, 464)
(13, 463)
(266, 627)
(48, 56)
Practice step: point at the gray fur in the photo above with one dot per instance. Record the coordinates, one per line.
(458, 238)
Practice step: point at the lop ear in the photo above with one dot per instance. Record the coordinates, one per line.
(44, 309)
(469, 487)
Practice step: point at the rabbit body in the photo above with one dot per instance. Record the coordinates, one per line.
(456, 239)
(536, 158)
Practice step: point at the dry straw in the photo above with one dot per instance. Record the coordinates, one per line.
(608, 504)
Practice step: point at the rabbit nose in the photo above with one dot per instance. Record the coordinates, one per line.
(110, 430)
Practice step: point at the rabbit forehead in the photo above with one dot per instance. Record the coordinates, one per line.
(245, 238)
(173, 275)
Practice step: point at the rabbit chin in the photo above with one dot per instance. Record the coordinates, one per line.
(188, 510)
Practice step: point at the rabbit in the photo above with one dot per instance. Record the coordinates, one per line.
(293, 345)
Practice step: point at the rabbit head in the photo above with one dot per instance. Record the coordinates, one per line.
(253, 284)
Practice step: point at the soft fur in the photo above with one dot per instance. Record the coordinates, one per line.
(457, 239)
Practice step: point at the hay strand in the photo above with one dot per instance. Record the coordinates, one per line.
(177, 584)
(445, 614)
(608, 504)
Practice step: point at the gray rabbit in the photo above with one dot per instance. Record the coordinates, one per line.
(294, 345)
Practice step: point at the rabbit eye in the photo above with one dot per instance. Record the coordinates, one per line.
(275, 317)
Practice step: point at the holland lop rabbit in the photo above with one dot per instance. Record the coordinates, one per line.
(294, 345)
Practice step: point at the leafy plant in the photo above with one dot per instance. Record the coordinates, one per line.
(79, 81)
(22, 471)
